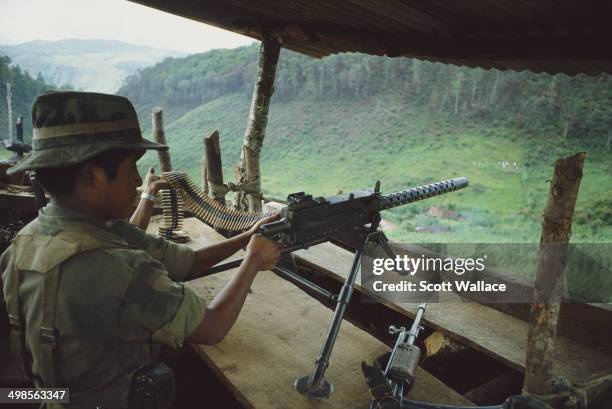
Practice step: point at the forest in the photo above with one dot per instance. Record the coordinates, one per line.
(576, 107)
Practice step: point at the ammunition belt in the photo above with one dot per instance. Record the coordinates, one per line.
(183, 193)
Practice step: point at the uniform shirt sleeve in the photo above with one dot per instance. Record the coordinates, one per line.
(170, 310)
(187, 318)
(126, 294)
(176, 258)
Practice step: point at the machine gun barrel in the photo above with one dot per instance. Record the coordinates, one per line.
(308, 220)
(421, 192)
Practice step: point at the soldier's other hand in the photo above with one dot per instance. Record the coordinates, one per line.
(154, 183)
(256, 226)
(264, 252)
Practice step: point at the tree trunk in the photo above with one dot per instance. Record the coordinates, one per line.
(416, 74)
(444, 99)
(548, 288)
(247, 171)
(158, 133)
(19, 128)
(457, 101)
(458, 88)
(494, 91)
(566, 129)
(9, 103)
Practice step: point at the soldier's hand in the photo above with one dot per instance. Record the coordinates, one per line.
(264, 252)
(256, 226)
(154, 183)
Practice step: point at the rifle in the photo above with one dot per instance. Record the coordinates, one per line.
(350, 220)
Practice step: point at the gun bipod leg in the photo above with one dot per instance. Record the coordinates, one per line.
(315, 386)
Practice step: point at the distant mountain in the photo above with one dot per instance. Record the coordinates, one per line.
(92, 65)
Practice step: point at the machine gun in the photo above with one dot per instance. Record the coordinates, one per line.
(352, 221)
(307, 221)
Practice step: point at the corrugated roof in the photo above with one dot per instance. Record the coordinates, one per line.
(539, 35)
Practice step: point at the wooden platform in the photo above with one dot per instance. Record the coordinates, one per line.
(277, 339)
(15, 197)
(494, 333)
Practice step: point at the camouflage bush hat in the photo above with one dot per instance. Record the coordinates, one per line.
(71, 127)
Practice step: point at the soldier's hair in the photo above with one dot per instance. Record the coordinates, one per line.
(62, 181)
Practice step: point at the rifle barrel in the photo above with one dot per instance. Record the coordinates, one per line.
(422, 192)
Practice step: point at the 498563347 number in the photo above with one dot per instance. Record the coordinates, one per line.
(33, 395)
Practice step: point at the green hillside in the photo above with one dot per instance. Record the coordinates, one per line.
(345, 121)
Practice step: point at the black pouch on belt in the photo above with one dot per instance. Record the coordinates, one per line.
(153, 388)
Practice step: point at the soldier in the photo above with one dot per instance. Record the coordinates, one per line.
(90, 296)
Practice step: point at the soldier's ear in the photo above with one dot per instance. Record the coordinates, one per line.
(92, 176)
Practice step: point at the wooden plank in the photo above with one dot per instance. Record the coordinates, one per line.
(492, 332)
(277, 338)
(14, 197)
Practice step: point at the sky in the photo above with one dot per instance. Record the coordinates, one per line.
(27, 20)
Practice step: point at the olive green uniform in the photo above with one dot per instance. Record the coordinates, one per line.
(117, 291)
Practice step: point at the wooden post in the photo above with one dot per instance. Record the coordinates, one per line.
(548, 288)
(247, 171)
(158, 133)
(214, 167)
(19, 133)
(204, 173)
(9, 103)
(19, 128)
